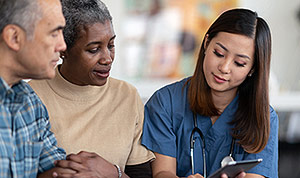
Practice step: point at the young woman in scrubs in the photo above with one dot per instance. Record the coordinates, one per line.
(228, 99)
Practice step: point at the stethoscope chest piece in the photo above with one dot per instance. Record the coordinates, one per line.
(226, 160)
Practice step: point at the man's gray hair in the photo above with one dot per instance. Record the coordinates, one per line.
(24, 13)
(82, 13)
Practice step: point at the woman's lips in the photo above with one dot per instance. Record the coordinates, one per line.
(103, 74)
(219, 79)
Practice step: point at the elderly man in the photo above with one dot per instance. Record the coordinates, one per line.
(30, 42)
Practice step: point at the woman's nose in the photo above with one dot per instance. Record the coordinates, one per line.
(106, 58)
(224, 67)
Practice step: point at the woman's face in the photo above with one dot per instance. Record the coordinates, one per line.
(89, 61)
(228, 61)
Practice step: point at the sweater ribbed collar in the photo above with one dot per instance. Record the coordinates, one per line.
(73, 92)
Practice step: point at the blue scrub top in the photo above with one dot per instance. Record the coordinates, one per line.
(168, 125)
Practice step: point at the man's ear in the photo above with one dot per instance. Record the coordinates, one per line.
(13, 36)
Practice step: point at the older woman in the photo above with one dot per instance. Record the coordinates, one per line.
(89, 110)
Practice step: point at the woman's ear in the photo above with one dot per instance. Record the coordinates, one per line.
(206, 42)
(63, 54)
(13, 36)
(251, 72)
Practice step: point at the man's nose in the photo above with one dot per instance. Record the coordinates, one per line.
(61, 45)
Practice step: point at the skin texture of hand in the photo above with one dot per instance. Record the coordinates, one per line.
(87, 164)
(244, 175)
(253, 176)
(241, 175)
(52, 172)
(195, 176)
(165, 167)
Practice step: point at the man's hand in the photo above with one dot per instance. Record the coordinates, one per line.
(54, 171)
(87, 164)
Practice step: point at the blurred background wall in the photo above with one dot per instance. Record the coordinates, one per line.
(157, 43)
(136, 24)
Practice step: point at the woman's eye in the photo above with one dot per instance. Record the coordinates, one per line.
(218, 54)
(111, 46)
(240, 64)
(93, 51)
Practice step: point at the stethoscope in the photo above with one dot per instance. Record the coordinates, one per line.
(224, 161)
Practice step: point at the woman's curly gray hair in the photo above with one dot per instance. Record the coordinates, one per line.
(81, 13)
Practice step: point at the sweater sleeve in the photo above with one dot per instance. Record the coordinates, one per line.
(139, 154)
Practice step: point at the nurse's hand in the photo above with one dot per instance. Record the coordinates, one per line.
(195, 176)
(241, 175)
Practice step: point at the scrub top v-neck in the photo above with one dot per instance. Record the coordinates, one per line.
(169, 122)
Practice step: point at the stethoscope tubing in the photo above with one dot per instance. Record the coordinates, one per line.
(192, 144)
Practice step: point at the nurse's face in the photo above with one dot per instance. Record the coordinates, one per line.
(89, 61)
(228, 61)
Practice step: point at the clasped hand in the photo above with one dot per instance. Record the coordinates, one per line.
(84, 164)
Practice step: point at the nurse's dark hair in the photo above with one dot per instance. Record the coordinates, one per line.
(80, 14)
(252, 119)
(23, 13)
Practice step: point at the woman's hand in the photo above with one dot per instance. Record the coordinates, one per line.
(87, 165)
(241, 175)
(195, 176)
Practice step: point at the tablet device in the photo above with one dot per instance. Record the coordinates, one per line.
(233, 168)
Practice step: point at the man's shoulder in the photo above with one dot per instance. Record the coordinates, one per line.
(24, 88)
(33, 97)
(31, 103)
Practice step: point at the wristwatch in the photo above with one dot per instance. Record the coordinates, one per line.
(119, 170)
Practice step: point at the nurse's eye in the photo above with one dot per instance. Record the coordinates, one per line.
(93, 51)
(239, 64)
(218, 54)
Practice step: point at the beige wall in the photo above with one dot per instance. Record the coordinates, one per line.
(285, 28)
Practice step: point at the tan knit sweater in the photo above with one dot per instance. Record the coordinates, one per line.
(106, 120)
